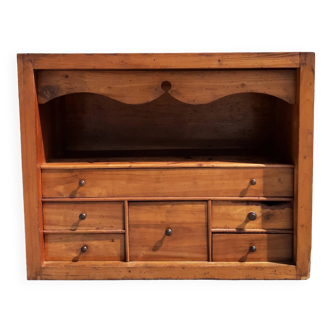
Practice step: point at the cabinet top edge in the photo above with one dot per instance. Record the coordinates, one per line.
(97, 61)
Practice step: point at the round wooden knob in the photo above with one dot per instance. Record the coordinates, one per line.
(82, 216)
(81, 183)
(168, 232)
(252, 249)
(253, 182)
(252, 215)
(84, 248)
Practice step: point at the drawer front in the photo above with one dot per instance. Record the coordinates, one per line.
(238, 248)
(252, 215)
(149, 221)
(200, 182)
(99, 247)
(83, 216)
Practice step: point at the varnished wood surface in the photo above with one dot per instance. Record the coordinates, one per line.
(100, 247)
(94, 231)
(256, 231)
(147, 225)
(234, 215)
(191, 87)
(166, 61)
(269, 248)
(168, 182)
(304, 165)
(167, 270)
(32, 157)
(99, 216)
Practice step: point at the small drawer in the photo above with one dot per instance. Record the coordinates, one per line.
(168, 231)
(172, 182)
(252, 248)
(83, 216)
(84, 247)
(252, 215)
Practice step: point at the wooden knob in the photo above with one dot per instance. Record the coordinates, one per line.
(82, 216)
(84, 249)
(81, 183)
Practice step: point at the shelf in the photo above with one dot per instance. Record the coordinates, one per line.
(166, 159)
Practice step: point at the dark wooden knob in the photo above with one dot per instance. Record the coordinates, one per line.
(253, 182)
(252, 215)
(168, 232)
(84, 248)
(81, 183)
(82, 216)
(252, 249)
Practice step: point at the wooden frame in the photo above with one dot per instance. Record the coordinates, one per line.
(33, 158)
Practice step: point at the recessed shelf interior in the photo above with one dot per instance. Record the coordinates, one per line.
(244, 127)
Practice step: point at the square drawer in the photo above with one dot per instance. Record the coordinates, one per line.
(83, 216)
(99, 247)
(276, 248)
(252, 215)
(149, 221)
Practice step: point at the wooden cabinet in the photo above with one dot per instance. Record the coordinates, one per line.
(167, 166)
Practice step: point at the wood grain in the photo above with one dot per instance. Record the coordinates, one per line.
(167, 270)
(99, 216)
(100, 247)
(166, 61)
(168, 182)
(149, 221)
(32, 157)
(234, 215)
(269, 247)
(191, 87)
(304, 165)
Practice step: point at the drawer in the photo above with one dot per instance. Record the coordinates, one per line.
(83, 216)
(197, 182)
(99, 247)
(238, 248)
(252, 215)
(149, 222)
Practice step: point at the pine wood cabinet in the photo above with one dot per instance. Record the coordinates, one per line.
(167, 166)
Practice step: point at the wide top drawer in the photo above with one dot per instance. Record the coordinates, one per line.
(200, 182)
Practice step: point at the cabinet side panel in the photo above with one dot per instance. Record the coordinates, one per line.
(303, 198)
(30, 159)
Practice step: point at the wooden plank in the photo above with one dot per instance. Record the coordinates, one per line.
(166, 61)
(126, 215)
(102, 231)
(209, 230)
(304, 169)
(168, 182)
(100, 247)
(235, 215)
(154, 198)
(187, 222)
(191, 87)
(269, 248)
(167, 270)
(98, 216)
(254, 231)
(31, 159)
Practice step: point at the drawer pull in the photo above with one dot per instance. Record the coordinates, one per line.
(82, 216)
(168, 232)
(252, 215)
(84, 249)
(81, 183)
(252, 249)
(253, 182)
